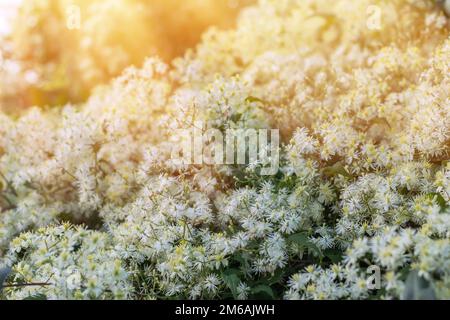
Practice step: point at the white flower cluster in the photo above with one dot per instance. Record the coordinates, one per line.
(395, 250)
(66, 262)
(364, 175)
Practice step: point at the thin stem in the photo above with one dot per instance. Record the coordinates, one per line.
(40, 284)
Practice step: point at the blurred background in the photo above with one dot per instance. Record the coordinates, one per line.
(56, 51)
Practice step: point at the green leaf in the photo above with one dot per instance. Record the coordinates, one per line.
(334, 255)
(254, 99)
(231, 280)
(335, 170)
(263, 290)
(243, 259)
(439, 199)
(276, 277)
(418, 288)
(38, 296)
(301, 239)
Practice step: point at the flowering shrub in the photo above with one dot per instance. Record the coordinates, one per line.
(94, 207)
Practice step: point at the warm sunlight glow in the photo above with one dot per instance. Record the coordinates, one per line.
(67, 48)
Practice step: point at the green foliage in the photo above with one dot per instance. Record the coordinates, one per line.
(439, 199)
(38, 296)
(336, 170)
(262, 291)
(302, 242)
(232, 280)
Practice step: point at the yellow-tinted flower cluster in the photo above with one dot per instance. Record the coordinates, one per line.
(364, 112)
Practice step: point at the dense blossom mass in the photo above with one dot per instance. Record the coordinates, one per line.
(94, 207)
